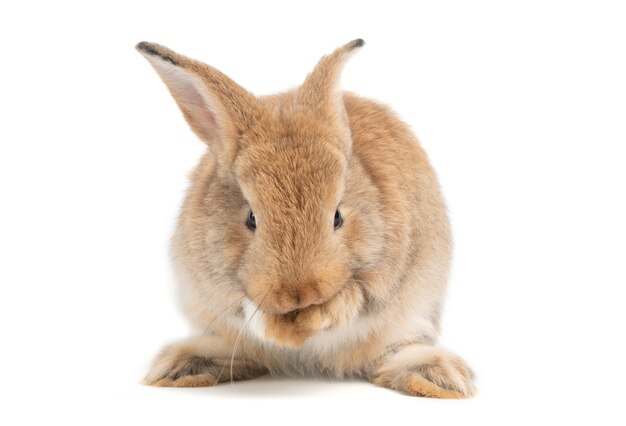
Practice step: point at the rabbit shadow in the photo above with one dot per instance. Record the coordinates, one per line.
(276, 387)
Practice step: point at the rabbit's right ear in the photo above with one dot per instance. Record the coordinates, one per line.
(216, 108)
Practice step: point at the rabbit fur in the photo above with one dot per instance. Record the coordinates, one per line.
(269, 281)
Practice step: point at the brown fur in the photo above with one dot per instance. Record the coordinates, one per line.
(356, 300)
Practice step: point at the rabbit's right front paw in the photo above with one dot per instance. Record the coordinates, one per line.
(183, 370)
(179, 366)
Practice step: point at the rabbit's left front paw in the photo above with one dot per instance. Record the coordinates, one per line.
(422, 370)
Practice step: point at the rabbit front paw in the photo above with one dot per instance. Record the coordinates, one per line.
(428, 371)
(191, 365)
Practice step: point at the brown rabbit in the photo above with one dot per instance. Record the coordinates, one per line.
(313, 238)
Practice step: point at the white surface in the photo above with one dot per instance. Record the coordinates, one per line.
(521, 108)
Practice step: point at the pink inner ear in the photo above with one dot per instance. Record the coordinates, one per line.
(201, 111)
(196, 103)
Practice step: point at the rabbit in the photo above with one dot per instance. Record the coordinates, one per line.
(313, 239)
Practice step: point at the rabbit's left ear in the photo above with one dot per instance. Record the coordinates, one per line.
(217, 109)
(322, 93)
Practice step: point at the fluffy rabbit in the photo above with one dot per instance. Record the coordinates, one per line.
(313, 238)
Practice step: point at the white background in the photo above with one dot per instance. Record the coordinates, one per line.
(521, 107)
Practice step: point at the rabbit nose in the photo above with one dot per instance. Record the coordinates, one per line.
(291, 298)
(299, 297)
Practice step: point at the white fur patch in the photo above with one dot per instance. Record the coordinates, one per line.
(254, 319)
(322, 342)
(326, 341)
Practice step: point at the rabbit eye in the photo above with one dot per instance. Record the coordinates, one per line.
(251, 221)
(338, 221)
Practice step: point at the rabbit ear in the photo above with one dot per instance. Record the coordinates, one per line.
(216, 108)
(321, 91)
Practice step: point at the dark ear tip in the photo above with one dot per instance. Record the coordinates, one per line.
(359, 42)
(154, 49)
(144, 46)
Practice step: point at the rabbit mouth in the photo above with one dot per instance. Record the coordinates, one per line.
(295, 327)
(291, 329)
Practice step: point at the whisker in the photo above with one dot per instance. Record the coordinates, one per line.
(237, 300)
(241, 330)
(206, 328)
(235, 346)
(217, 380)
